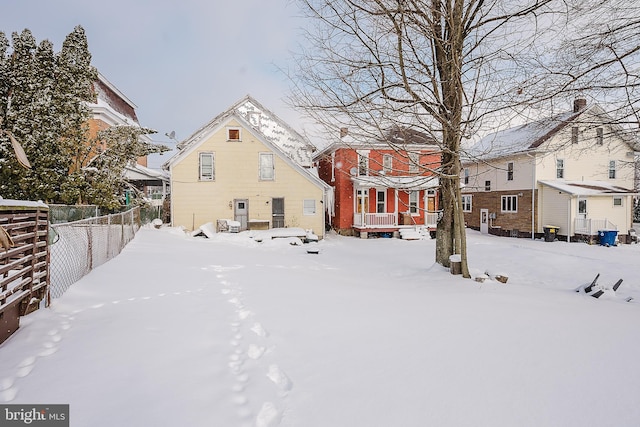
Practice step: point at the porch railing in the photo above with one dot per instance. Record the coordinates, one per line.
(375, 220)
(591, 227)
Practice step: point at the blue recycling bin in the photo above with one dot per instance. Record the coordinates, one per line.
(607, 237)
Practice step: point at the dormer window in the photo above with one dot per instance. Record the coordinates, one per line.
(233, 134)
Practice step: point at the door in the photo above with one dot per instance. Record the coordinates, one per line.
(277, 212)
(484, 221)
(241, 212)
(582, 208)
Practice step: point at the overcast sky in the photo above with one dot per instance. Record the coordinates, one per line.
(181, 62)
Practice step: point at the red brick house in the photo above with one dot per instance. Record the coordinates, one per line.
(384, 186)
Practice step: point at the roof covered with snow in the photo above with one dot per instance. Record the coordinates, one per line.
(270, 126)
(519, 139)
(588, 188)
(397, 138)
(138, 172)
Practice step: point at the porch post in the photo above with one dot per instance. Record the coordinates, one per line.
(395, 211)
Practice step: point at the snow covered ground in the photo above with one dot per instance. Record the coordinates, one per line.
(190, 331)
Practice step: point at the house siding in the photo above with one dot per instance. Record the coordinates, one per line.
(237, 177)
(555, 210)
(505, 223)
(337, 172)
(586, 160)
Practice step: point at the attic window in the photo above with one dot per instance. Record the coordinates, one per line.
(574, 135)
(233, 134)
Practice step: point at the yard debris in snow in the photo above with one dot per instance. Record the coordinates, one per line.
(597, 290)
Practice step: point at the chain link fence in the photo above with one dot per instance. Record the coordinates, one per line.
(79, 246)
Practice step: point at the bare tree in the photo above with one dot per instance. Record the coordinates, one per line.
(441, 67)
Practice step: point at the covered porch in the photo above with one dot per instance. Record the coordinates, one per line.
(394, 215)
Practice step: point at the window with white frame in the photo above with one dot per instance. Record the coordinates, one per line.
(233, 134)
(510, 171)
(267, 167)
(612, 169)
(617, 201)
(363, 163)
(509, 204)
(466, 203)
(206, 167)
(559, 168)
(309, 206)
(414, 162)
(381, 201)
(387, 163)
(413, 202)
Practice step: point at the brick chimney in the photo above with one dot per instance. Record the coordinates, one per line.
(579, 104)
(343, 132)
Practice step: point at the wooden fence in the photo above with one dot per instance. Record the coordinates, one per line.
(24, 261)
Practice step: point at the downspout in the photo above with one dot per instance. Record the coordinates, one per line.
(533, 198)
(569, 221)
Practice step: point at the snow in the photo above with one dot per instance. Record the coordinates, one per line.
(226, 331)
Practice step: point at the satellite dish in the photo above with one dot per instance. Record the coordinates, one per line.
(171, 135)
(353, 171)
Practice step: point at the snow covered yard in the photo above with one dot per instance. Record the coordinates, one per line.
(185, 331)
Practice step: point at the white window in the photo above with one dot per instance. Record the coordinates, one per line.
(233, 134)
(381, 201)
(612, 169)
(509, 203)
(387, 163)
(267, 170)
(414, 162)
(466, 203)
(207, 167)
(617, 201)
(559, 168)
(510, 171)
(363, 163)
(309, 207)
(413, 202)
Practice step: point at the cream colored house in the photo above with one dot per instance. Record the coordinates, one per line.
(247, 165)
(573, 172)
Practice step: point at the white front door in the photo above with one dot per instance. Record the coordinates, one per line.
(484, 221)
(582, 208)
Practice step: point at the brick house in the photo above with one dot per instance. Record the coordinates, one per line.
(573, 172)
(383, 186)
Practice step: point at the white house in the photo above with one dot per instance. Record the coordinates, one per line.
(573, 173)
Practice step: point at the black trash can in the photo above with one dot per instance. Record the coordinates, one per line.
(550, 233)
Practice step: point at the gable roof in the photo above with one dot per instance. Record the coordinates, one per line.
(395, 138)
(190, 144)
(262, 120)
(523, 138)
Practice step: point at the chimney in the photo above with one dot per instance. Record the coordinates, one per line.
(343, 132)
(579, 104)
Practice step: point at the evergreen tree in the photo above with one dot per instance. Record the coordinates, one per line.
(44, 103)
